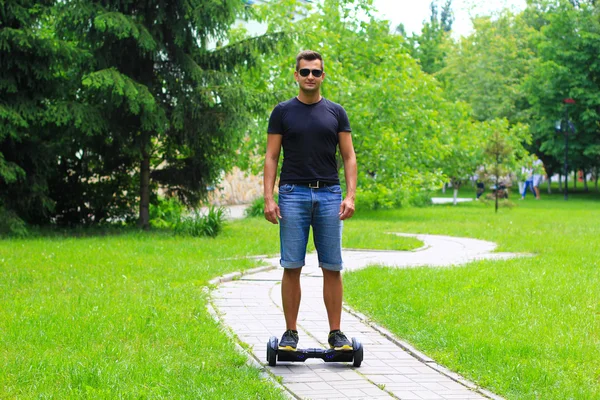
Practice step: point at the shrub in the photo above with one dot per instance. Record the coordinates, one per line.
(421, 199)
(257, 208)
(166, 213)
(210, 224)
(11, 224)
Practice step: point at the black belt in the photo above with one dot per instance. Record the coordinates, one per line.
(316, 184)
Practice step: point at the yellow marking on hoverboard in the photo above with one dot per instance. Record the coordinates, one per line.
(343, 348)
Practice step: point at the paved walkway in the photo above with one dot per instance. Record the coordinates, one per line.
(250, 305)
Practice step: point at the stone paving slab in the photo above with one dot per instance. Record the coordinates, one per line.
(251, 307)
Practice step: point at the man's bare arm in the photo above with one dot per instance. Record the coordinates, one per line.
(350, 172)
(272, 212)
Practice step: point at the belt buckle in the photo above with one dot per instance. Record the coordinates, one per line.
(310, 185)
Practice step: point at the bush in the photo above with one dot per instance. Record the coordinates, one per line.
(197, 225)
(421, 199)
(257, 208)
(166, 213)
(11, 224)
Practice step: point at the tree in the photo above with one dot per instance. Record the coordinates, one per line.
(35, 104)
(464, 149)
(503, 150)
(172, 109)
(567, 68)
(487, 68)
(431, 46)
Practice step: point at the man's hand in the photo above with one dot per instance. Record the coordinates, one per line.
(346, 208)
(272, 212)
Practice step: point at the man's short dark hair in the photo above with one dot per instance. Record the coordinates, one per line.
(308, 55)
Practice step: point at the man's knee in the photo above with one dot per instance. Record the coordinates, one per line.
(331, 275)
(292, 273)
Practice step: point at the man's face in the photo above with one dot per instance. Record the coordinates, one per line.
(309, 83)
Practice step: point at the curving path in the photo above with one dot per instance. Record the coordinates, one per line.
(250, 305)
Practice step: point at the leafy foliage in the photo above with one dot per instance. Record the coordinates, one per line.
(209, 224)
(103, 102)
(431, 47)
(522, 67)
(487, 68)
(35, 71)
(567, 67)
(166, 213)
(503, 150)
(166, 96)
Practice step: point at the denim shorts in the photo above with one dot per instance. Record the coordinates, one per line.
(302, 207)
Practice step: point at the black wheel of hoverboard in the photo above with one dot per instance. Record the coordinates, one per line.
(357, 349)
(272, 347)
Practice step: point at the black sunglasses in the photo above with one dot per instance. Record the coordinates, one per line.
(304, 72)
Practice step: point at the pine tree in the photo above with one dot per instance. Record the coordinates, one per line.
(173, 111)
(33, 76)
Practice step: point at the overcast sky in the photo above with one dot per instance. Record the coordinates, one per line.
(412, 13)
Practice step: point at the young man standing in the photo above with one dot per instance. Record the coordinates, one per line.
(309, 128)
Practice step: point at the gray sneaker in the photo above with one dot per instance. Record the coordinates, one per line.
(289, 340)
(338, 341)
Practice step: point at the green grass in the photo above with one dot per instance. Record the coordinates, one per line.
(122, 314)
(526, 328)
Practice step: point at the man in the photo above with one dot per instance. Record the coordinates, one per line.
(538, 171)
(528, 173)
(309, 128)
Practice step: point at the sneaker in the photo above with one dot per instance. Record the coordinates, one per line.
(289, 340)
(338, 341)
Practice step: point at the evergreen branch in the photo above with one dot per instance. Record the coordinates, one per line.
(245, 52)
(124, 27)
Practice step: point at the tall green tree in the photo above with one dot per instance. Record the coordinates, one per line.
(487, 68)
(568, 67)
(173, 111)
(430, 47)
(36, 94)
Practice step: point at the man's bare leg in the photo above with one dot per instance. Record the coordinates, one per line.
(333, 292)
(291, 294)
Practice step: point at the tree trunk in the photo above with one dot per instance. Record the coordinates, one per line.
(144, 218)
(560, 189)
(497, 190)
(575, 180)
(455, 196)
(596, 177)
(585, 182)
(444, 188)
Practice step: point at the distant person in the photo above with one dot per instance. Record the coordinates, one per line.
(528, 173)
(538, 175)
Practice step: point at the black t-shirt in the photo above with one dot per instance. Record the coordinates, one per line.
(310, 139)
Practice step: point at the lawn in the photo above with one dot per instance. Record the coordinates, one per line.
(527, 328)
(122, 314)
(119, 316)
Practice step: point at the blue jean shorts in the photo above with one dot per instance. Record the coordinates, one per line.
(302, 207)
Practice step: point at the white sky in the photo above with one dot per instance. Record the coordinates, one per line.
(412, 13)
